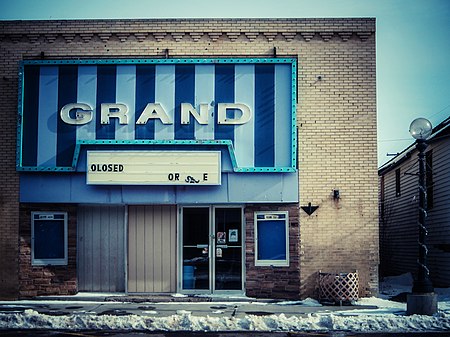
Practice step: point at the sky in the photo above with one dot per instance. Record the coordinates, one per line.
(413, 44)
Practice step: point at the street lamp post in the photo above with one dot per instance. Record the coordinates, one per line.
(422, 300)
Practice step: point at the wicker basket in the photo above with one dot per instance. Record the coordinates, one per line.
(338, 288)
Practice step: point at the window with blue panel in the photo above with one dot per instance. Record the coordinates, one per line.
(49, 238)
(272, 239)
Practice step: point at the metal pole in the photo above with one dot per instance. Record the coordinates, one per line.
(423, 283)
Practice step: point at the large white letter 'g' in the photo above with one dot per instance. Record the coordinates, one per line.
(83, 113)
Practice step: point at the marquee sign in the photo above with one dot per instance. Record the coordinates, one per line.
(247, 105)
(153, 167)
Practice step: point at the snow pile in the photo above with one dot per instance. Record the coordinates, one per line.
(443, 299)
(309, 302)
(184, 321)
(394, 285)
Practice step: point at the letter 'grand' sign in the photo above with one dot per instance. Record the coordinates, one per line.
(245, 106)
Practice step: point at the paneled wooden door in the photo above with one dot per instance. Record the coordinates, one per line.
(152, 249)
(101, 248)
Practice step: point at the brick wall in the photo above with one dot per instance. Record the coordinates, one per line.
(272, 282)
(9, 179)
(47, 280)
(337, 150)
(336, 117)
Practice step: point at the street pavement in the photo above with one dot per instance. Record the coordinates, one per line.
(167, 306)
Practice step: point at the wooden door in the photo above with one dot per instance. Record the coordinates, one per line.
(101, 248)
(152, 249)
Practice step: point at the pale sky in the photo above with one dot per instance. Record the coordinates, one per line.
(413, 44)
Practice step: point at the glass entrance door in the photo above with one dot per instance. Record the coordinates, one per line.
(196, 248)
(212, 254)
(228, 249)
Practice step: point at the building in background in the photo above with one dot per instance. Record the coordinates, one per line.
(222, 156)
(399, 193)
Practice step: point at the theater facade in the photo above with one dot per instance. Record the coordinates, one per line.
(225, 157)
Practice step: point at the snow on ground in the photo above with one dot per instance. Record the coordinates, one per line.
(185, 321)
(389, 317)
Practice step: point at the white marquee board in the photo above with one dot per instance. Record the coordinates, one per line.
(153, 168)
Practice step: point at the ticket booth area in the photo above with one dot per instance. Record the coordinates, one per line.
(157, 160)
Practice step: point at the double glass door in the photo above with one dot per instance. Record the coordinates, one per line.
(212, 255)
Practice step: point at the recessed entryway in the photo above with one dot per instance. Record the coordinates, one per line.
(211, 257)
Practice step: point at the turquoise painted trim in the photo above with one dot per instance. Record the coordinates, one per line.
(20, 116)
(226, 142)
(164, 61)
(294, 115)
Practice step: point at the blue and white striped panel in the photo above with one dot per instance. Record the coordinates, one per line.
(283, 135)
(204, 94)
(87, 93)
(47, 122)
(125, 94)
(264, 141)
(165, 94)
(245, 134)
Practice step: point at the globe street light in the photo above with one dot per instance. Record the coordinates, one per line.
(420, 129)
(422, 300)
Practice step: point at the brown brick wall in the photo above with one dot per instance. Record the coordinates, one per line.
(273, 282)
(336, 117)
(9, 179)
(47, 280)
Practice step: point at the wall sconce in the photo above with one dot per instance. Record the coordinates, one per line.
(336, 194)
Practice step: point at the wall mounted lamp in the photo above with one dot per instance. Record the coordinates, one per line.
(336, 194)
